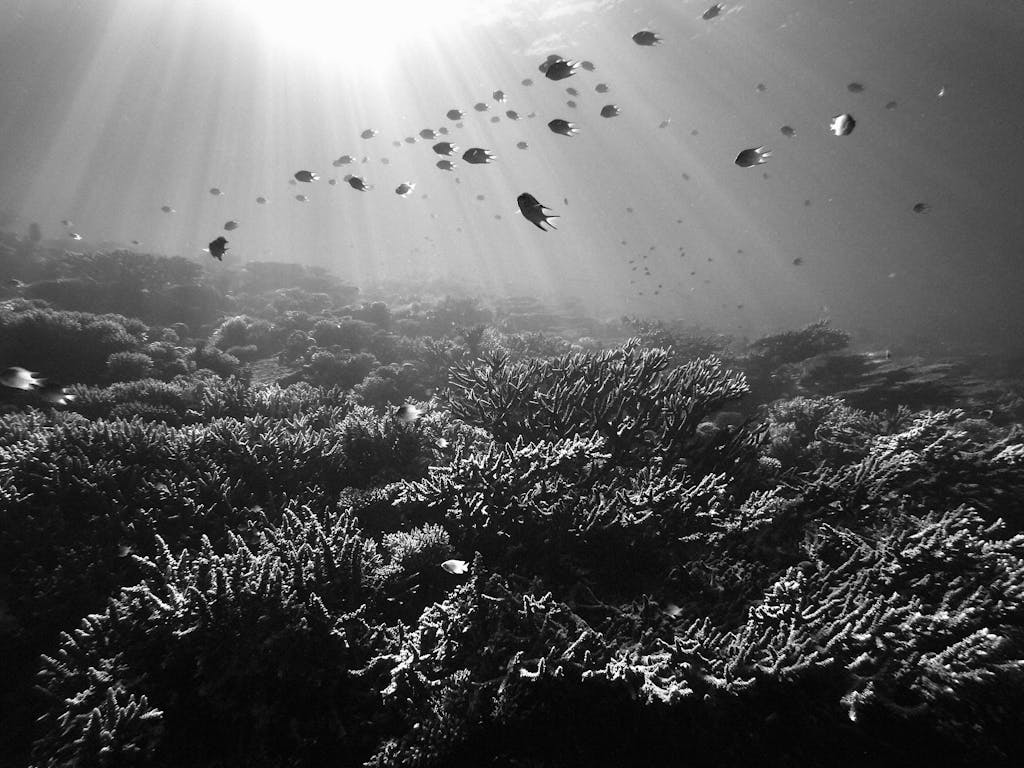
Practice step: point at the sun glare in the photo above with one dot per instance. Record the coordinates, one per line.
(358, 30)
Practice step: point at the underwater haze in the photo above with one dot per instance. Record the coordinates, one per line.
(113, 109)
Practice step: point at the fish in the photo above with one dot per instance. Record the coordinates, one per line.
(610, 110)
(527, 82)
(761, 87)
(647, 37)
(17, 377)
(495, 119)
(753, 156)
(215, 192)
(230, 225)
(408, 413)
(75, 236)
(302, 198)
(798, 261)
(411, 139)
(443, 130)
(855, 87)
(478, 156)
(572, 91)
(891, 104)
(56, 394)
(405, 189)
(445, 165)
(665, 123)
(456, 567)
(788, 130)
(358, 183)
(369, 133)
(921, 208)
(261, 200)
(533, 211)
(428, 133)
(559, 69)
(481, 107)
(564, 127)
(941, 92)
(455, 114)
(712, 12)
(588, 65)
(218, 248)
(842, 124)
(343, 160)
(512, 114)
(333, 182)
(571, 104)
(602, 88)
(445, 148)
(522, 145)
(498, 96)
(306, 176)
(167, 209)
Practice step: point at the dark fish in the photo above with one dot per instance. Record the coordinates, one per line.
(333, 182)
(842, 125)
(646, 37)
(921, 208)
(559, 69)
(405, 189)
(445, 148)
(306, 176)
(533, 211)
(455, 114)
(428, 133)
(478, 156)
(665, 123)
(302, 198)
(495, 119)
(343, 160)
(522, 145)
(411, 139)
(498, 96)
(357, 183)
(754, 156)
(445, 165)
(712, 12)
(19, 378)
(166, 209)
(855, 88)
(564, 127)
(230, 225)
(588, 65)
(798, 261)
(572, 91)
(369, 133)
(601, 88)
(788, 130)
(480, 107)
(527, 82)
(610, 110)
(512, 114)
(218, 248)
(891, 105)
(443, 130)
(75, 236)
(571, 104)
(215, 192)
(261, 200)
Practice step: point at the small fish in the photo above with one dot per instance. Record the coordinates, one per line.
(443, 130)
(498, 96)
(455, 566)
(602, 88)
(405, 189)
(646, 37)
(522, 145)
(56, 394)
(533, 211)
(665, 123)
(358, 183)
(19, 378)
(343, 160)
(571, 104)
(842, 125)
(306, 176)
(441, 442)
(921, 208)
(512, 114)
(408, 413)
(672, 610)
(712, 12)
(218, 248)
(302, 198)
(445, 165)
(369, 133)
(855, 88)
(428, 133)
(761, 87)
(445, 148)
(215, 191)
(332, 182)
(455, 114)
(610, 110)
(559, 69)
(495, 119)
(942, 92)
(588, 65)
(788, 130)
(396, 143)
(563, 127)
(527, 82)
(798, 261)
(167, 209)
(891, 104)
(261, 200)
(410, 139)
(478, 156)
(572, 91)
(230, 225)
(753, 156)
(481, 107)
(75, 236)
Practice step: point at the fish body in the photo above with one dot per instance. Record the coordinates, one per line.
(358, 183)
(369, 133)
(166, 209)
(842, 125)
(610, 110)
(306, 176)
(455, 114)
(455, 566)
(230, 225)
(428, 133)
(753, 156)
(646, 37)
(343, 160)
(478, 156)
(712, 12)
(445, 148)
(533, 211)
(563, 127)
(405, 189)
(218, 248)
(408, 413)
(498, 96)
(559, 69)
(17, 377)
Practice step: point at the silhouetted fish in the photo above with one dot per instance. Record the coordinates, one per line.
(754, 156)
(445, 148)
(478, 156)
(559, 69)
(455, 114)
(533, 211)
(306, 176)
(405, 189)
(166, 209)
(842, 125)
(564, 127)
(357, 183)
(343, 160)
(610, 110)
(712, 12)
(230, 225)
(369, 133)
(646, 37)
(218, 248)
